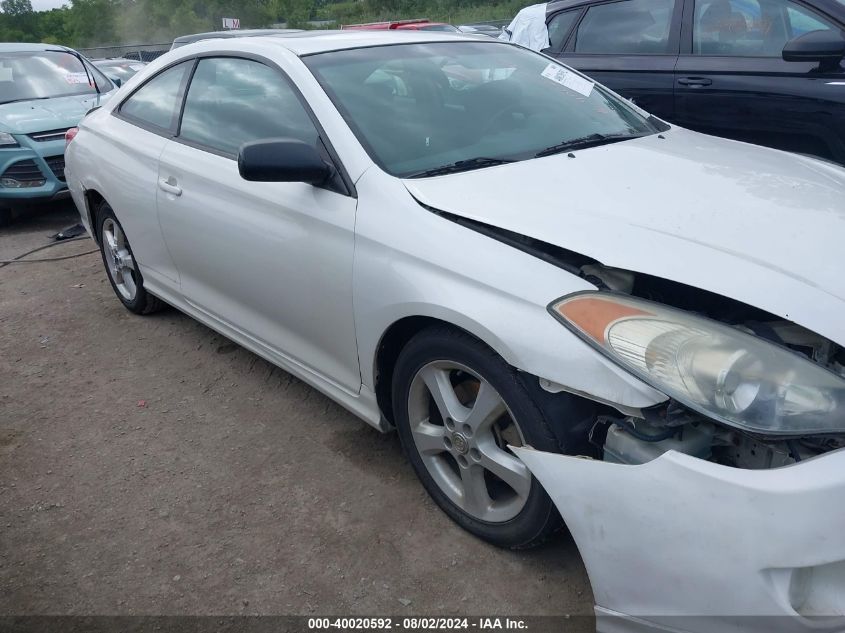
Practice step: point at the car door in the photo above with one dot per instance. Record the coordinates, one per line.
(137, 135)
(631, 46)
(270, 260)
(731, 79)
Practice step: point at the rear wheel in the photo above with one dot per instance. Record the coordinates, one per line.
(122, 270)
(458, 407)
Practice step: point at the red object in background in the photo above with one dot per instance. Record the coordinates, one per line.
(70, 135)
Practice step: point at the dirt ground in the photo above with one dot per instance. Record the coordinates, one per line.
(150, 466)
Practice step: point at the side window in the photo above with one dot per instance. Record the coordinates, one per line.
(631, 27)
(803, 20)
(750, 28)
(559, 27)
(231, 101)
(157, 102)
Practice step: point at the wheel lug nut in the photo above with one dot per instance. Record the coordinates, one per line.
(447, 441)
(463, 461)
(467, 429)
(475, 454)
(450, 424)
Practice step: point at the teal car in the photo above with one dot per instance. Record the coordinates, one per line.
(44, 90)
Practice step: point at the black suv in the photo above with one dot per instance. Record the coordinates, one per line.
(764, 71)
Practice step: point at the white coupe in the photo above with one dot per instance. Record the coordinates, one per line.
(571, 312)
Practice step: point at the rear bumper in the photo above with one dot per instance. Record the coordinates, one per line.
(682, 544)
(77, 192)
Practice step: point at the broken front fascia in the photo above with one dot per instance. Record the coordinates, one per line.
(683, 544)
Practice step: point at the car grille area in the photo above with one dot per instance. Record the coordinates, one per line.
(23, 174)
(57, 166)
(50, 135)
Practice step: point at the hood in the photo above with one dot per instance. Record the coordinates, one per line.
(26, 117)
(757, 225)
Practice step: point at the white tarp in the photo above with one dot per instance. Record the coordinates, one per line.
(528, 28)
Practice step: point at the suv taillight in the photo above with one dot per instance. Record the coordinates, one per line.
(70, 135)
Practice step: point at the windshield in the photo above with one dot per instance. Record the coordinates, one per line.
(46, 74)
(419, 107)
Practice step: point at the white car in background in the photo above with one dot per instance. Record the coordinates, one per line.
(567, 308)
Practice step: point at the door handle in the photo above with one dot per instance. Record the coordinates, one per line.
(169, 185)
(695, 82)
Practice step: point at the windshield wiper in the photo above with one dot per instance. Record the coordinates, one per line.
(591, 140)
(24, 99)
(462, 165)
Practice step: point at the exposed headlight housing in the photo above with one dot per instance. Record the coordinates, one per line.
(7, 140)
(721, 372)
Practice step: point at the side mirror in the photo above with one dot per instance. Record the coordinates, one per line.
(826, 47)
(282, 160)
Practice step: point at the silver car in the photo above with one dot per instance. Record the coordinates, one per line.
(570, 311)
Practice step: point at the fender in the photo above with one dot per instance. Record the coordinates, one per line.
(493, 291)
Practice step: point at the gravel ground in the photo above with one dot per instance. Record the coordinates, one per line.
(150, 466)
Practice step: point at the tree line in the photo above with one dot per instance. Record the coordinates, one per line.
(83, 23)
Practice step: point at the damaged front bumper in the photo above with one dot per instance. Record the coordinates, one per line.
(683, 544)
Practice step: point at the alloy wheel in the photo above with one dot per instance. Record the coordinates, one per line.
(462, 428)
(119, 261)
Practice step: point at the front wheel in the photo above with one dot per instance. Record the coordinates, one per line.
(121, 267)
(458, 406)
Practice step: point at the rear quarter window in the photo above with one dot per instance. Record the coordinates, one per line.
(157, 102)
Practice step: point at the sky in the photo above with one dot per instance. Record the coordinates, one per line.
(44, 5)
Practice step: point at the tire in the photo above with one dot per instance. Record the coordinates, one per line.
(121, 268)
(459, 456)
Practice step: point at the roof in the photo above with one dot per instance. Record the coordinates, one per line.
(14, 47)
(196, 37)
(309, 42)
(312, 42)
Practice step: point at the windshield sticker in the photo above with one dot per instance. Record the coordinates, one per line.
(568, 79)
(77, 78)
(6, 74)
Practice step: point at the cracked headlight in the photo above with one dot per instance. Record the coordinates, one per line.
(7, 140)
(719, 371)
